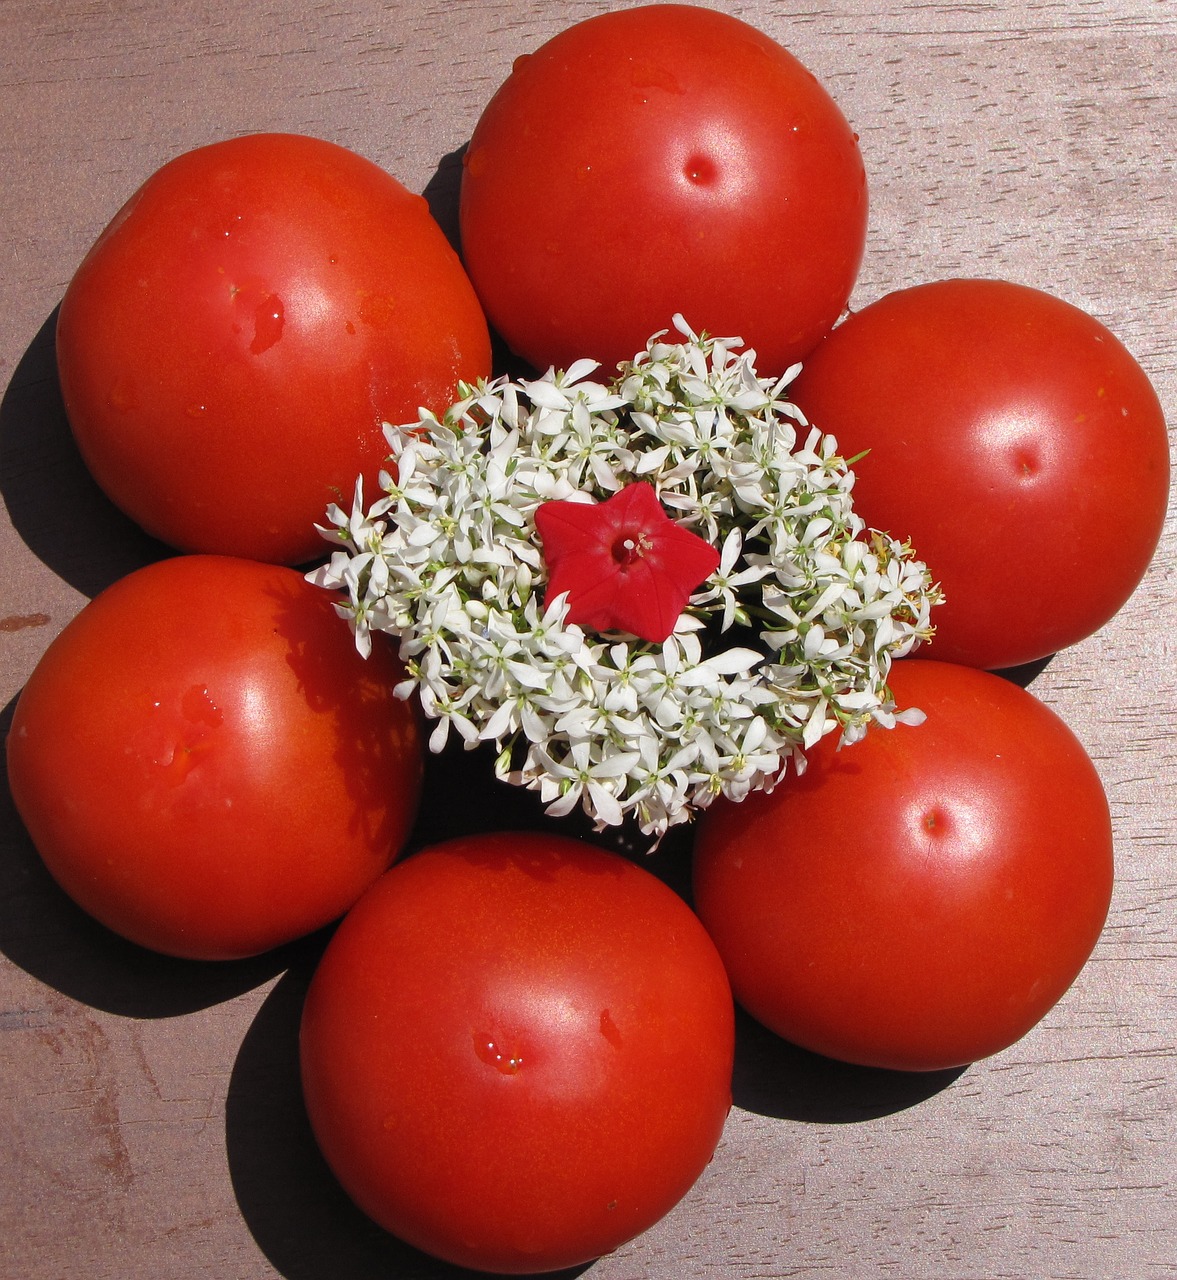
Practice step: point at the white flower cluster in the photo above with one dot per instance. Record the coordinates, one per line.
(448, 560)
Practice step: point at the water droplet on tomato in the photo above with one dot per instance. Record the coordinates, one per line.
(649, 75)
(268, 319)
(496, 1055)
(198, 706)
(185, 737)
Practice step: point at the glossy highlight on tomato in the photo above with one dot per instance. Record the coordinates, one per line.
(661, 159)
(207, 765)
(921, 898)
(517, 1051)
(232, 344)
(1018, 445)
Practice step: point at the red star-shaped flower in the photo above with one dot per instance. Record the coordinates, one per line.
(624, 562)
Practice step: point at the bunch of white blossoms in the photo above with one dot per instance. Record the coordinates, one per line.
(791, 638)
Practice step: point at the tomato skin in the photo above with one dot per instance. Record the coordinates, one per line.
(655, 160)
(206, 765)
(232, 343)
(922, 898)
(1018, 445)
(517, 1051)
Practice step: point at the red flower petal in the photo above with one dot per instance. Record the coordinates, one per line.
(624, 563)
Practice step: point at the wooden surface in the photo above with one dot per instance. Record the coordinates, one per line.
(149, 1117)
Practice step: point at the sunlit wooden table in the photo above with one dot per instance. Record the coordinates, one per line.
(150, 1123)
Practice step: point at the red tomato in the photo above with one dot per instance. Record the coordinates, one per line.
(517, 1051)
(1017, 444)
(233, 342)
(657, 160)
(922, 898)
(207, 765)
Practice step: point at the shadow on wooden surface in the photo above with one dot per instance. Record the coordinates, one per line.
(299, 1215)
(462, 796)
(778, 1079)
(53, 502)
(442, 194)
(1027, 673)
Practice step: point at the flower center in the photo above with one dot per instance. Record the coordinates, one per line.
(631, 546)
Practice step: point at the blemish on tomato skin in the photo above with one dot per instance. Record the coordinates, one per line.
(377, 311)
(474, 162)
(123, 395)
(934, 821)
(609, 1029)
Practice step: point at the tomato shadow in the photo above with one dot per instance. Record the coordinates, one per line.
(781, 1080)
(44, 933)
(1025, 674)
(375, 736)
(299, 1215)
(461, 796)
(443, 196)
(54, 504)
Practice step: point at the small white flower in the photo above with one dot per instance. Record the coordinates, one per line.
(447, 560)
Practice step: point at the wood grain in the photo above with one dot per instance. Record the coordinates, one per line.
(150, 1125)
